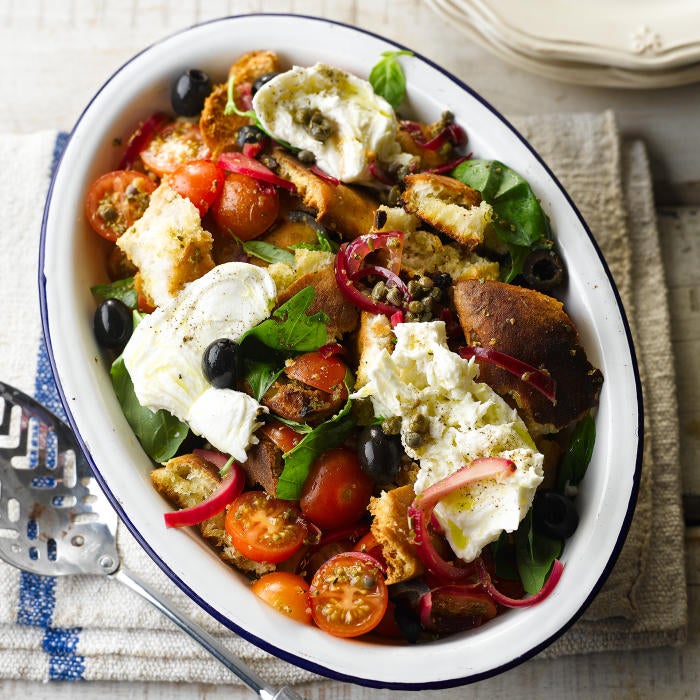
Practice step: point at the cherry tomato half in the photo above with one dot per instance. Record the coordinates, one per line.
(348, 595)
(285, 592)
(282, 435)
(246, 207)
(116, 200)
(264, 528)
(324, 373)
(172, 145)
(200, 181)
(336, 492)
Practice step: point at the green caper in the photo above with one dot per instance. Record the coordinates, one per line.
(416, 307)
(409, 317)
(419, 423)
(413, 439)
(379, 291)
(307, 157)
(394, 297)
(414, 288)
(426, 283)
(391, 425)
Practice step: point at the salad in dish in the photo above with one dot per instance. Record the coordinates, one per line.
(336, 333)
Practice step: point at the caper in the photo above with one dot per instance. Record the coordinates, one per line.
(413, 439)
(419, 423)
(416, 307)
(414, 288)
(379, 291)
(306, 156)
(391, 425)
(426, 282)
(394, 297)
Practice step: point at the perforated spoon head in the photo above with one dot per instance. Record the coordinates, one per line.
(54, 518)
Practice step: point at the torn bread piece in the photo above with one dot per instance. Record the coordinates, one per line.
(390, 528)
(341, 208)
(168, 246)
(449, 206)
(534, 328)
(187, 481)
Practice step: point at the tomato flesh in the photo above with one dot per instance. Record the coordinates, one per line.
(286, 592)
(116, 200)
(263, 528)
(200, 181)
(324, 373)
(246, 207)
(336, 492)
(348, 595)
(282, 435)
(172, 145)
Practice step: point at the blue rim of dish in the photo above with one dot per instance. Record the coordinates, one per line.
(286, 656)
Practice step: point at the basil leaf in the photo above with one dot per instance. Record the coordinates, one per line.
(577, 457)
(535, 554)
(291, 330)
(519, 220)
(268, 252)
(297, 462)
(324, 244)
(123, 290)
(159, 433)
(387, 77)
(503, 551)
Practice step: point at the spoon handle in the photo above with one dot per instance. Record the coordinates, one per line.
(212, 645)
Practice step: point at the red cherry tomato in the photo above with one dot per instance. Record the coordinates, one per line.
(246, 207)
(348, 595)
(172, 145)
(369, 545)
(324, 373)
(282, 435)
(201, 181)
(285, 592)
(116, 200)
(336, 492)
(264, 528)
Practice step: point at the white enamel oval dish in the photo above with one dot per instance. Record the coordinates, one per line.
(72, 259)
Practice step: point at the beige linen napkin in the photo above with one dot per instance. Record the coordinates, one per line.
(98, 629)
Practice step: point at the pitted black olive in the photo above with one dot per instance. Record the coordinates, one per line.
(262, 80)
(221, 363)
(379, 454)
(544, 270)
(554, 514)
(250, 133)
(113, 324)
(188, 92)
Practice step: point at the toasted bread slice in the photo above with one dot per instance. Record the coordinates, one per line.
(264, 464)
(187, 481)
(220, 130)
(449, 206)
(535, 329)
(391, 529)
(374, 335)
(344, 209)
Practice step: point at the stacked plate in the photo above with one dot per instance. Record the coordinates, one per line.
(611, 43)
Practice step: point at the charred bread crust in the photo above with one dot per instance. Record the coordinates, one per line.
(302, 403)
(343, 315)
(448, 205)
(534, 328)
(264, 464)
(390, 528)
(220, 130)
(343, 209)
(187, 481)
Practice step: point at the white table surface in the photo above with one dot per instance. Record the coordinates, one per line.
(55, 53)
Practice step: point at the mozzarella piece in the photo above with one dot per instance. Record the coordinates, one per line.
(466, 420)
(164, 354)
(168, 245)
(363, 124)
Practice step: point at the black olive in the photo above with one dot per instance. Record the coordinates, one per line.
(379, 454)
(554, 514)
(262, 80)
(221, 363)
(113, 324)
(544, 270)
(408, 622)
(188, 92)
(250, 134)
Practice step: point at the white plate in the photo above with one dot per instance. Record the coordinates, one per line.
(72, 259)
(620, 43)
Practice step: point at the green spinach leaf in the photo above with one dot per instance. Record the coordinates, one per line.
(577, 457)
(159, 433)
(123, 290)
(268, 252)
(387, 77)
(519, 220)
(535, 554)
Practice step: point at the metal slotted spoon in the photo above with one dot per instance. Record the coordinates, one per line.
(56, 521)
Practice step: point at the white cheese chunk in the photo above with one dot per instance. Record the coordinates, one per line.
(363, 124)
(164, 354)
(465, 420)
